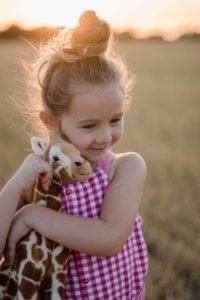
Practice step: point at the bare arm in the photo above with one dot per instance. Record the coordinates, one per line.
(105, 236)
(17, 188)
(10, 196)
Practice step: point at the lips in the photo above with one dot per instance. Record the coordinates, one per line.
(98, 149)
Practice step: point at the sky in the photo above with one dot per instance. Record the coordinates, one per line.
(167, 17)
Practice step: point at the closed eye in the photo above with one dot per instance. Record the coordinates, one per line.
(89, 126)
(116, 120)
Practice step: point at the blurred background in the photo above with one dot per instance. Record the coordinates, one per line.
(160, 41)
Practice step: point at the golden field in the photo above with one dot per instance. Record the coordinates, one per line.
(163, 125)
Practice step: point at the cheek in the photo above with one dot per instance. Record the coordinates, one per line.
(118, 133)
(79, 140)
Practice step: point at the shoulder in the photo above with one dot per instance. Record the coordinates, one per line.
(128, 163)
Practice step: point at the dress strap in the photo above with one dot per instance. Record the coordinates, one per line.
(105, 163)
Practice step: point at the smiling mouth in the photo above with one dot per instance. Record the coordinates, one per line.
(98, 149)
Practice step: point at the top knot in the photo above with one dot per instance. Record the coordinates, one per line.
(91, 36)
(89, 18)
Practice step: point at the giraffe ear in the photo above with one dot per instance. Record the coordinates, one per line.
(39, 145)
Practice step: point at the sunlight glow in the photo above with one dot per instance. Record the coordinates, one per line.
(143, 16)
(53, 13)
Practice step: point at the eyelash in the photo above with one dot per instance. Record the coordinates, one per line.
(91, 126)
(116, 120)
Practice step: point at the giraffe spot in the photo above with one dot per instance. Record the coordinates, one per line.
(32, 272)
(33, 252)
(54, 189)
(39, 239)
(21, 253)
(47, 295)
(39, 187)
(49, 268)
(49, 244)
(47, 282)
(12, 287)
(37, 253)
(61, 277)
(53, 203)
(27, 288)
(61, 292)
(3, 279)
(61, 257)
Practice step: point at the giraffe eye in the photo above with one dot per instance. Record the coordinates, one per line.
(56, 158)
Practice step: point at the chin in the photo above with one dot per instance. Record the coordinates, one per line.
(96, 156)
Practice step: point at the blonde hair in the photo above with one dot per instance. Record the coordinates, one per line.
(79, 55)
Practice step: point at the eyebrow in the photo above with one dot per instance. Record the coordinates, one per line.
(96, 120)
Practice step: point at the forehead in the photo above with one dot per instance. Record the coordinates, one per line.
(94, 100)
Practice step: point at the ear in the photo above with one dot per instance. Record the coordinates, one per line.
(38, 145)
(48, 120)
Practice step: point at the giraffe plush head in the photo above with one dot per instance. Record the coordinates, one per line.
(65, 158)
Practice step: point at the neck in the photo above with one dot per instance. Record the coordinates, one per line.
(50, 198)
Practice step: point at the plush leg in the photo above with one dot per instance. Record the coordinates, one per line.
(54, 283)
(8, 284)
(30, 266)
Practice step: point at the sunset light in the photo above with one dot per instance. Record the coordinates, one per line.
(145, 16)
(100, 119)
(50, 13)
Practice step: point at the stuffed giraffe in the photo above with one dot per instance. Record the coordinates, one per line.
(40, 265)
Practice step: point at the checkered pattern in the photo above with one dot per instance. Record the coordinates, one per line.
(89, 277)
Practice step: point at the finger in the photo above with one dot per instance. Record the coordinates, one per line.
(47, 172)
(11, 247)
(46, 182)
(46, 178)
(46, 185)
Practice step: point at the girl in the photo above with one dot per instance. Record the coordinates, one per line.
(83, 92)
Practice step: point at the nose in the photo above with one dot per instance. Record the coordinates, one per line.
(104, 135)
(78, 163)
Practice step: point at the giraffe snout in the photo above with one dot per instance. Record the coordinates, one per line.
(78, 163)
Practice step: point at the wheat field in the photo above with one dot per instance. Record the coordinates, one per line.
(163, 125)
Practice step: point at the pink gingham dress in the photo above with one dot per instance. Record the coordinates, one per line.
(120, 277)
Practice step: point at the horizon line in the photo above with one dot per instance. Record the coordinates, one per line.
(135, 32)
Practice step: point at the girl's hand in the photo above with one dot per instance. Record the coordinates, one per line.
(33, 167)
(18, 230)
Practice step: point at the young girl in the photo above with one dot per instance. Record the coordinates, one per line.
(83, 91)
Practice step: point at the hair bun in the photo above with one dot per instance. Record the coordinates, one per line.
(89, 18)
(91, 36)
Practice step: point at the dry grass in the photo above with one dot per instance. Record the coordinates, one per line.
(162, 125)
